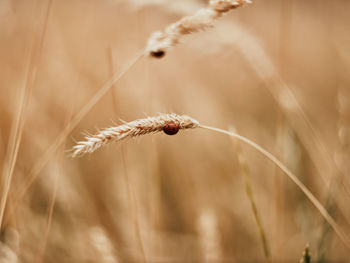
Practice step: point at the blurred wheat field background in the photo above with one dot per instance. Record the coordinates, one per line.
(278, 71)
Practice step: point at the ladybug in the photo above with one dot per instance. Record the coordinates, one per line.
(171, 128)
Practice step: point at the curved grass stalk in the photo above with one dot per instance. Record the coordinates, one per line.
(151, 125)
(343, 237)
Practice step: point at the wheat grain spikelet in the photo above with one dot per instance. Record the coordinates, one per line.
(160, 41)
(130, 130)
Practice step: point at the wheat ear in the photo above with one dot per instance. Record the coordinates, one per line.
(157, 124)
(130, 130)
(160, 41)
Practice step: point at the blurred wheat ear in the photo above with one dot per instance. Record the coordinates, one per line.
(161, 41)
(157, 124)
(306, 258)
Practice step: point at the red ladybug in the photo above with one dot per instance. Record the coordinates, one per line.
(171, 128)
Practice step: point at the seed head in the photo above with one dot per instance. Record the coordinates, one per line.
(134, 129)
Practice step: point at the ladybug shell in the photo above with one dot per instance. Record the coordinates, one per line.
(171, 128)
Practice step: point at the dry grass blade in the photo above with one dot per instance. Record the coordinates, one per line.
(49, 216)
(73, 123)
(160, 41)
(130, 130)
(132, 200)
(248, 187)
(260, 62)
(13, 148)
(35, 50)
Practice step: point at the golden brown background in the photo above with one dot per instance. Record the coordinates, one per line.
(181, 198)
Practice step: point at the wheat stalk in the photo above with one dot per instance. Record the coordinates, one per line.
(160, 41)
(130, 130)
(156, 124)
